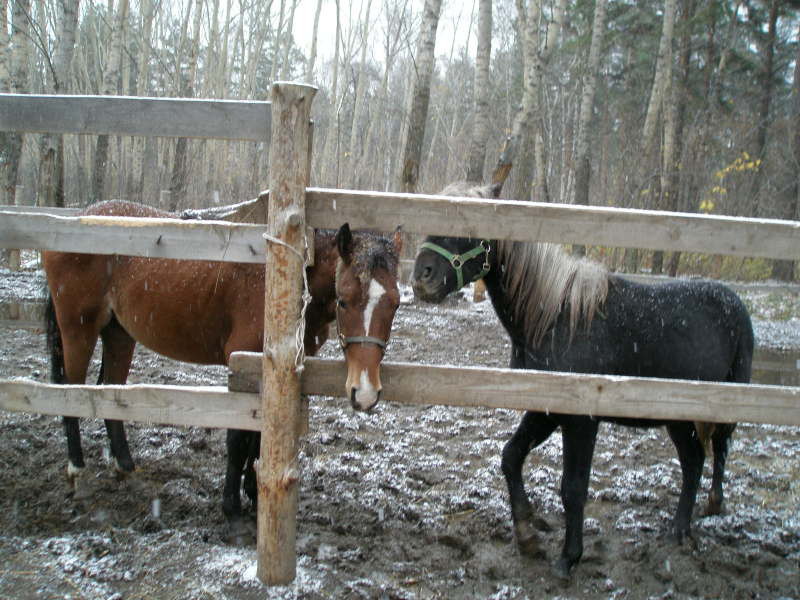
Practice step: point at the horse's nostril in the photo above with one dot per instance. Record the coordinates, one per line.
(426, 273)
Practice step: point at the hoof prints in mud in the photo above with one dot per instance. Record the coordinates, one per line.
(406, 502)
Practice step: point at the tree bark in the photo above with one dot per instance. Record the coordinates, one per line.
(20, 57)
(783, 270)
(312, 59)
(582, 158)
(51, 159)
(480, 126)
(767, 87)
(109, 87)
(420, 97)
(355, 149)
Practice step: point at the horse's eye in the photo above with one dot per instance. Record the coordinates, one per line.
(341, 303)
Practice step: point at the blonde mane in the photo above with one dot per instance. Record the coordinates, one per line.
(541, 280)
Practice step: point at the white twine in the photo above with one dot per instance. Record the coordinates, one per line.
(300, 330)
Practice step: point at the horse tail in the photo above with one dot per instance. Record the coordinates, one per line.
(740, 372)
(55, 346)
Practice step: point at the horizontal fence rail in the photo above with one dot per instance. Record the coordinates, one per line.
(407, 383)
(203, 406)
(559, 223)
(571, 393)
(153, 238)
(243, 120)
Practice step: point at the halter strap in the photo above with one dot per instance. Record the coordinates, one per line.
(457, 261)
(345, 341)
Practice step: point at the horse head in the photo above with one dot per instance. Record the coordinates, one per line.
(446, 264)
(366, 301)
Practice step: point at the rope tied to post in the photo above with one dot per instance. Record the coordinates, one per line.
(300, 330)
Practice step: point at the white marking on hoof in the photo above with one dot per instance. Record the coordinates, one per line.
(73, 474)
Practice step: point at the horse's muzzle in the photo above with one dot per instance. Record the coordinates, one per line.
(364, 401)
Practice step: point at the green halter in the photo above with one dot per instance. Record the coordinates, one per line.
(457, 261)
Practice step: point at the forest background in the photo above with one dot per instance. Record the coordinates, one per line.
(679, 105)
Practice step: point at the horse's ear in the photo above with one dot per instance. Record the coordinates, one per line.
(397, 240)
(495, 189)
(344, 242)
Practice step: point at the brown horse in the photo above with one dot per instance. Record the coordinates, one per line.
(202, 311)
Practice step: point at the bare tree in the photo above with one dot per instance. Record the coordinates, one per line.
(480, 126)
(420, 96)
(359, 101)
(51, 160)
(109, 87)
(20, 57)
(180, 168)
(784, 270)
(312, 59)
(582, 155)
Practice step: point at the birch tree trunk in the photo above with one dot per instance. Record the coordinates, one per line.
(662, 74)
(180, 167)
(312, 59)
(330, 154)
(51, 159)
(480, 126)
(149, 185)
(767, 87)
(358, 108)
(674, 120)
(582, 157)
(20, 57)
(396, 27)
(648, 182)
(109, 87)
(783, 270)
(420, 96)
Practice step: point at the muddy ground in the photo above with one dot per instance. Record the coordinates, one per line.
(406, 502)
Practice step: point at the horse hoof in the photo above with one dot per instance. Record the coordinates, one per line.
(124, 467)
(529, 546)
(682, 535)
(713, 508)
(527, 542)
(241, 532)
(74, 475)
(562, 569)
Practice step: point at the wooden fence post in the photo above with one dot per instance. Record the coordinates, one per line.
(278, 470)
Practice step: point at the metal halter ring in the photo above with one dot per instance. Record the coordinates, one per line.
(457, 261)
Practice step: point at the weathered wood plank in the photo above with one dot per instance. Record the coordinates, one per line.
(41, 210)
(570, 393)
(561, 223)
(163, 404)
(153, 238)
(125, 115)
(278, 470)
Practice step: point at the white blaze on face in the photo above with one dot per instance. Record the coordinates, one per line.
(375, 293)
(366, 393)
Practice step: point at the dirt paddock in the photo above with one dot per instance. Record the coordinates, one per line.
(406, 502)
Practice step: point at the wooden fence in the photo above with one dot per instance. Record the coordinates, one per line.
(291, 206)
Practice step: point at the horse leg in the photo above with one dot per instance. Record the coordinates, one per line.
(534, 429)
(691, 456)
(118, 348)
(250, 481)
(76, 347)
(75, 462)
(237, 444)
(719, 440)
(579, 435)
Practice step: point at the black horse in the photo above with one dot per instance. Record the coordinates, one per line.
(568, 314)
